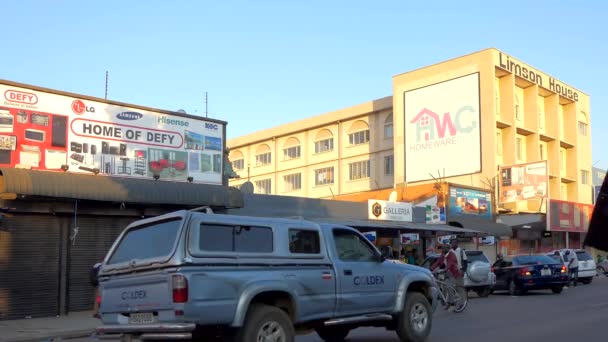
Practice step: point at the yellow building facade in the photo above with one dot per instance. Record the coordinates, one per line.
(456, 122)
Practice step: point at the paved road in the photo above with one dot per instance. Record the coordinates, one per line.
(578, 314)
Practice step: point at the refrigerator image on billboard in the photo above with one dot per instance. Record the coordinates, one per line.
(522, 182)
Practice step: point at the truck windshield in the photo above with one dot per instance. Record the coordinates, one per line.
(148, 241)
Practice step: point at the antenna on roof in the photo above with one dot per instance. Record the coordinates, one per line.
(106, 85)
(206, 104)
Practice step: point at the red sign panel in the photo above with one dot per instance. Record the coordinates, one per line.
(569, 216)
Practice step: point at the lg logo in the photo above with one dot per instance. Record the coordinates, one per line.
(79, 107)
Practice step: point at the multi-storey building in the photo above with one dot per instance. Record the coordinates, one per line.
(455, 122)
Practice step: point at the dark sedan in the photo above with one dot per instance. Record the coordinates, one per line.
(521, 273)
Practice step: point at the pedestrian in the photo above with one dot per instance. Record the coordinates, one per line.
(93, 273)
(572, 261)
(448, 262)
(461, 256)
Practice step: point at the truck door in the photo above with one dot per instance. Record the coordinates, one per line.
(365, 285)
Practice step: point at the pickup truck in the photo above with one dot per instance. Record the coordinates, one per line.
(193, 274)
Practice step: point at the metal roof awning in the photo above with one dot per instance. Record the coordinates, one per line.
(114, 189)
(531, 221)
(487, 227)
(439, 228)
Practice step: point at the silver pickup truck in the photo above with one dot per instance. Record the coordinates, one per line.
(192, 274)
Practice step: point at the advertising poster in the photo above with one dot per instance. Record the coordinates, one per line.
(410, 239)
(442, 132)
(465, 201)
(46, 131)
(569, 216)
(389, 211)
(523, 182)
(371, 236)
(435, 214)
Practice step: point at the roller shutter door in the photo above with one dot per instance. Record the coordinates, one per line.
(96, 234)
(30, 248)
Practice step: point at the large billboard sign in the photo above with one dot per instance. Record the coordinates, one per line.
(523, 182)
(569, 216)
(470, 202)
(46, 131)
(442, 129)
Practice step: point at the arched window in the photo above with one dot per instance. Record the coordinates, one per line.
(291, 149)
(237, 160)
(388, 126)
(583, 124)
(324, 141)
(263, 156)
(358, 133)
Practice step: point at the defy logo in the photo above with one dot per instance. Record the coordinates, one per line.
(79, 107)
(430, 126)
(20, 97)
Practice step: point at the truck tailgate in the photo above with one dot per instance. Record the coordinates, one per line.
(137, 293)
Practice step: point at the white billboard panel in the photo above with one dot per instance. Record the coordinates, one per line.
(47, 131)
(442, 129)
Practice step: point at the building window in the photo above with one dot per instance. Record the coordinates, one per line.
(293, 182)
(541, 150)
(562, 159)
(291, 152)
(263, 159)
(517, 108)
(519, 149)
(497, 96)
(238, 164)
(263, 187)
(563, 189)
(324, 176)
(582, 128)
(584, 177)
(389, 165)
(359, 170)
(388, 127)
(499, 143)
(358, 138)
(324, 145)
(541, 112)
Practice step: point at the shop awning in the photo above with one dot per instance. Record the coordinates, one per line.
(525, 221)
(397, 225)
(490, 228)
(25, 182)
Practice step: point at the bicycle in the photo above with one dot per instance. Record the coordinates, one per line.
(458, 293)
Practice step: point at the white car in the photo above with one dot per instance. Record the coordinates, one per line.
(586, 264)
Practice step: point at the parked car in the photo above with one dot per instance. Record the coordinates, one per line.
(478, 277)
(522, 273)
(586, 265)
(191, 274)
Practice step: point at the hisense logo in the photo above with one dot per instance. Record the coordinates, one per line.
(170, 121)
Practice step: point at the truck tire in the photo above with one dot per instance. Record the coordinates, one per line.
(265, 322)
(330, 334)
(483, 292)
(415, 321)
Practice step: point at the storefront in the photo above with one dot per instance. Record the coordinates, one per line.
(55, 225)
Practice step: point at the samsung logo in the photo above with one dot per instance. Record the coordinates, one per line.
(129, 116)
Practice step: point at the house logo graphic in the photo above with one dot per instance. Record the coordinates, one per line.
(431, 127)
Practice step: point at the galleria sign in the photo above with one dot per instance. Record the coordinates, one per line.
(527, 73)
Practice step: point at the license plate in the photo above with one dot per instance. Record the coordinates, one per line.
(141, 318)
(545, 272)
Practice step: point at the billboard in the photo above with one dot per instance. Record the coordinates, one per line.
(567, 216)
(442, 129)
(470, 202)
(434, 214)
(46, 131)
(391, 211)
(523, 182)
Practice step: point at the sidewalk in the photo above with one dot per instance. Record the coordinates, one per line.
(74, 325)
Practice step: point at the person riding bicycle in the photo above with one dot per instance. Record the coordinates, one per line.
(449, 262)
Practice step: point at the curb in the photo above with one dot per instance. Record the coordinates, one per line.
(59, 335)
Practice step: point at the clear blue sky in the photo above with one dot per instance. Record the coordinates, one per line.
(266, 63)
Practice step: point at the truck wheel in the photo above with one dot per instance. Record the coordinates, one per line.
(586, 281)
(330, 334)
(266, 323)
(414, 322)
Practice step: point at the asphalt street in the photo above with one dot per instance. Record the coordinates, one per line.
(577, 314)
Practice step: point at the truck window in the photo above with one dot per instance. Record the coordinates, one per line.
(351, 247)
(243, 239)
(148, 241)
(304, 241)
